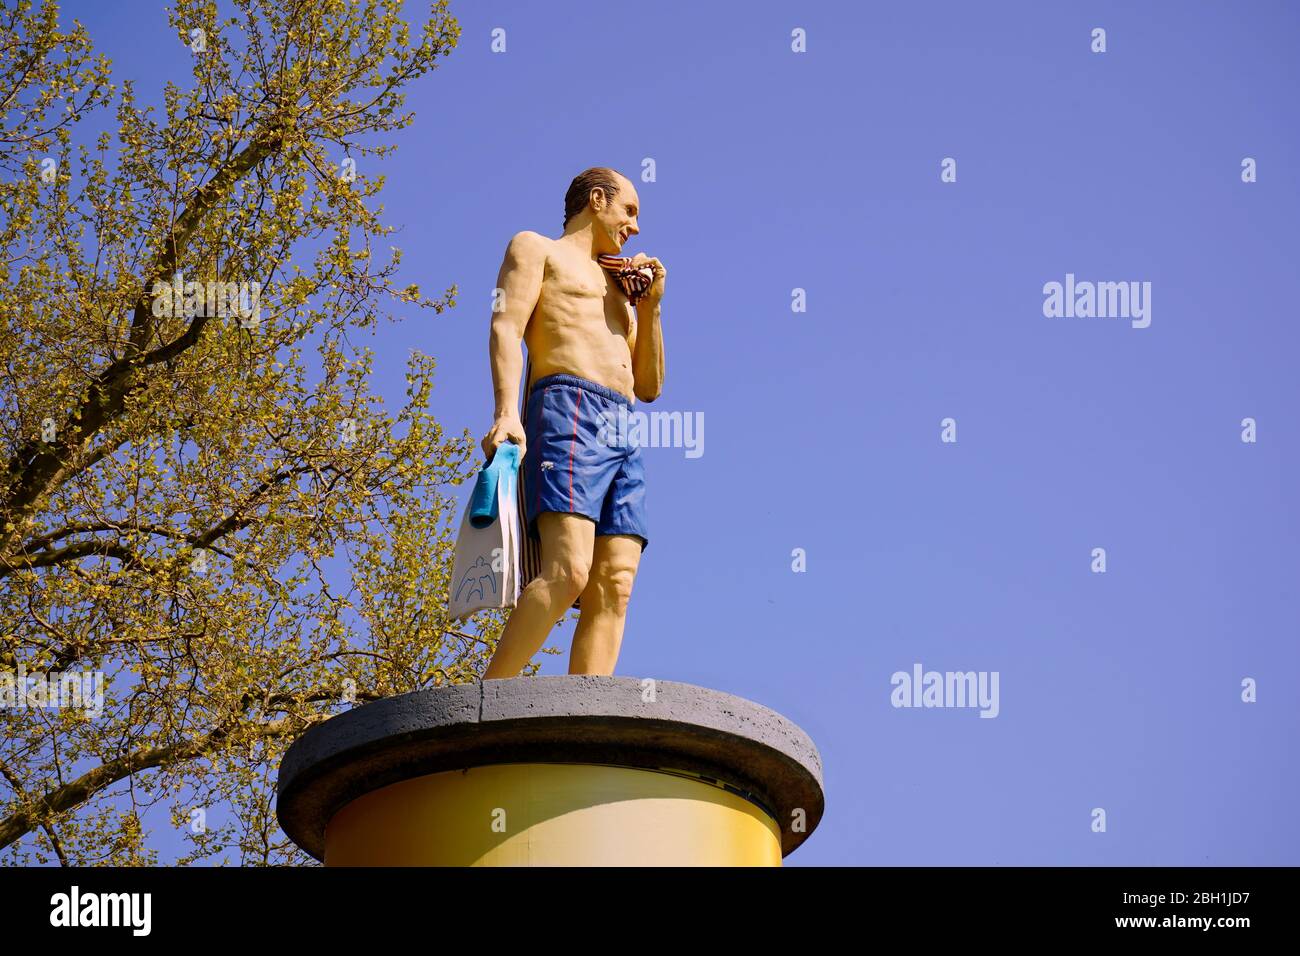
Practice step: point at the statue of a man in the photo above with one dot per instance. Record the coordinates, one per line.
(594, 344)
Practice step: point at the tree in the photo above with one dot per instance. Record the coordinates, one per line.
(173, 489)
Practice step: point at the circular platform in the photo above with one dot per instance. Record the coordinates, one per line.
(619, 722)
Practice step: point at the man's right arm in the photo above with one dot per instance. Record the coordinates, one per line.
(520, 285)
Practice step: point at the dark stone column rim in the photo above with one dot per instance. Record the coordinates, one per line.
(749, 748)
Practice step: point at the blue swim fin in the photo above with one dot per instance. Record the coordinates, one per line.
(484, 505)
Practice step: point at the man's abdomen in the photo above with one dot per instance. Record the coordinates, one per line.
(583, 347)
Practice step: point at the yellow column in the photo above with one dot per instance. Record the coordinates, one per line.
(570, 770)
(552, 815)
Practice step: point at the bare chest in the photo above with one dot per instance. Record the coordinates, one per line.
(585, 291)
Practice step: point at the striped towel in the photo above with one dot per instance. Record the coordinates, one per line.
(634, 283)
(530, 552)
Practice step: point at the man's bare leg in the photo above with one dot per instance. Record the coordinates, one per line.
(603, 611)
(567, 552)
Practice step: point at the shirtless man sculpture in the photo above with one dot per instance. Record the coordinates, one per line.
(591, 350)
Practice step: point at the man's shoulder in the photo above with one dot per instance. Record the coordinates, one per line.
(530, 243)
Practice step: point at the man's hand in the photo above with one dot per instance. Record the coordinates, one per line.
(656, 290)
(509, 428)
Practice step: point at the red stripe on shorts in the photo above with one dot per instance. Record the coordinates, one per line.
(572, 444)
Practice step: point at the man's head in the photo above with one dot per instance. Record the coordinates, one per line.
(608, 200)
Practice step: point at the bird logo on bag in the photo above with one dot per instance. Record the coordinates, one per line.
(474, 578)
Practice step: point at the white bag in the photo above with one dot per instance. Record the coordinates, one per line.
(485, 571)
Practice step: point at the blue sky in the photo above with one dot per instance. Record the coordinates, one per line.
(778, 170)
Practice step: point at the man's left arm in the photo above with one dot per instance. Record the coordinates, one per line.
(648, 350)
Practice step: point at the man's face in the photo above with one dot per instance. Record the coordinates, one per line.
(617, 216)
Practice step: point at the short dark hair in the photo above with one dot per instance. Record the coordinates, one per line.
(579, 194)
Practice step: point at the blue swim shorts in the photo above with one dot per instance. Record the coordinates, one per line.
(573, 461)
